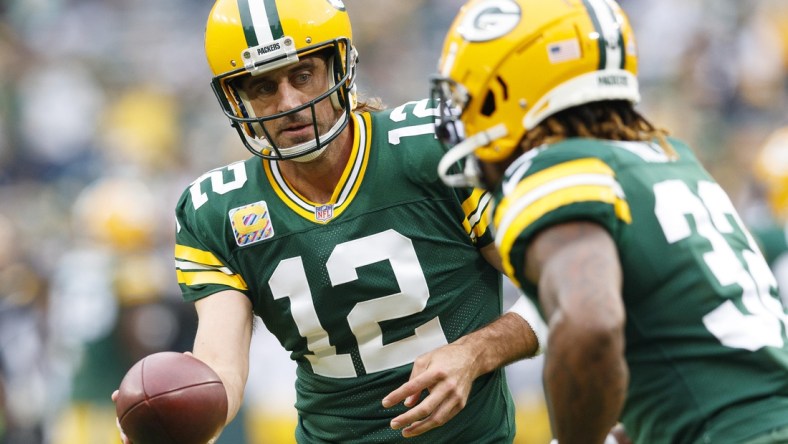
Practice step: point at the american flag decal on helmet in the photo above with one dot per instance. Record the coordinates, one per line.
(251, 223)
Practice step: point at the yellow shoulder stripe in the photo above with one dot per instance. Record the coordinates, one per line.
(570, 168)
(535, 210)
(211, 277)
(194, 255)
(472, 202)
(477, 213)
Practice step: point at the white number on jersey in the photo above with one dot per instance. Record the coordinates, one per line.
(420, 111)
(712, 211)
(218, 185)
(289, 280)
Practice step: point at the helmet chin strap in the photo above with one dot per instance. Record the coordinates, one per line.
(305, 146)
(309, 157)
(471, 175)
(313, 143)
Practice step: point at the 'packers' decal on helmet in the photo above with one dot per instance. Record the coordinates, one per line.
(247, 38)
(489, 20)
(337, 4)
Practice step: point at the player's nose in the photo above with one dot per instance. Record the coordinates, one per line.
(288, 98)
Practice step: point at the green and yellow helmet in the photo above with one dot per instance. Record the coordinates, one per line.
(507, 65)
(251, 37)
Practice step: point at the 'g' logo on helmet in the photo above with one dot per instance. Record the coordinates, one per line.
(489, 20)
(337, 4)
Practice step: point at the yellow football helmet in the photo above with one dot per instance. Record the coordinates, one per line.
(119, 213)
(507, 65)
(771, 168)
(251, 37)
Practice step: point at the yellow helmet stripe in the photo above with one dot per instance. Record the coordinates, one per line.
(611, 40)
(260, 20)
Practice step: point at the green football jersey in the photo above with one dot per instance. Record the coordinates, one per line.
(705, 330)
(358, 288)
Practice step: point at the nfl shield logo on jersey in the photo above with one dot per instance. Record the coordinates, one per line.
(251, 223)
(324, 213)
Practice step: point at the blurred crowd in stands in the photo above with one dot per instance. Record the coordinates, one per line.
(106, 115)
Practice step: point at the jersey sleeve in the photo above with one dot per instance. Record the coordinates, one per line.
(478, 216)
(199, 269)
(553, 189)
(409, 130)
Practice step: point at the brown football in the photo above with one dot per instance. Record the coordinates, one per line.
(171, 398)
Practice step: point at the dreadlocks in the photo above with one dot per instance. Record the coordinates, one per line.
(612, 120)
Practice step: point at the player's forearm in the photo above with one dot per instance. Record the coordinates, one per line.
(222, 341)
(585, 379)
(507, 339)
(233, 380)
(585, 373)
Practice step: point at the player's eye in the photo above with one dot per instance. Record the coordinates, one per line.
(265, 88)
(302, 78)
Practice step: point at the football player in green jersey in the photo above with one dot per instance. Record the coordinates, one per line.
(339, 234)
(661, 308)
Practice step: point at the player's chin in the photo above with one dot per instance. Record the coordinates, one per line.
(287, 142)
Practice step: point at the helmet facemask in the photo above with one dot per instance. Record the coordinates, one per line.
(452, 99)
(266, 58)
(519, 62)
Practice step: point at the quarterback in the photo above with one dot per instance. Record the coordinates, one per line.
(339, 235)
(663, 313)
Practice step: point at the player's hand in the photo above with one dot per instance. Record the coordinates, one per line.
(447, 373)
(123, 436)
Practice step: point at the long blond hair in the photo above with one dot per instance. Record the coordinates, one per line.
(370, 104)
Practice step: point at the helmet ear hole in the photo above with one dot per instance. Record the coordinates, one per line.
(335, 74)
(337, 70)
(488, 107)
(242, 109)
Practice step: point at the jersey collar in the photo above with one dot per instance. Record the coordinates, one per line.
(346, 188)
